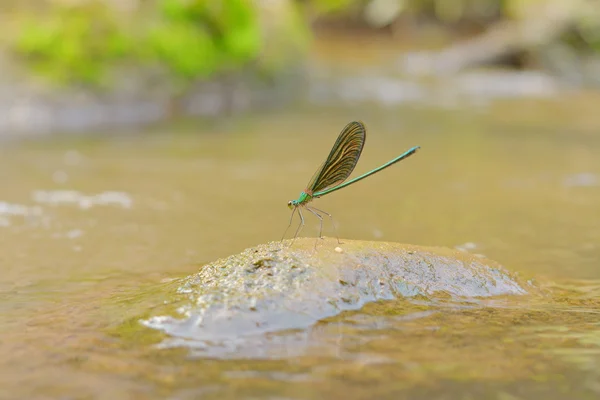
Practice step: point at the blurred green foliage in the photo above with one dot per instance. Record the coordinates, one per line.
(197, 38)
(333, 6)
(81, 42)
(70, 45)
(192, 39)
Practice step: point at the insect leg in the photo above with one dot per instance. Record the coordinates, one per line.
(299, 226)
(316, 214)
(288, 227)
(332, 222)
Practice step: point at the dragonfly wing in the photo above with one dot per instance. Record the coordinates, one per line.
(342, 159)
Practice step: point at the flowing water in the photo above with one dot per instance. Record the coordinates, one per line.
(90, 225)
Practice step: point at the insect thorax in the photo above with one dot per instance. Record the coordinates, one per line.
(304, 198)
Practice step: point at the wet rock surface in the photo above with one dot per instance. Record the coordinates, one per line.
(277, 287)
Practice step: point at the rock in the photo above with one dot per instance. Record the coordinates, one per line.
(276, 287)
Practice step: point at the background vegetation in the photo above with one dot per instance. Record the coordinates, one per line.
(84, 41)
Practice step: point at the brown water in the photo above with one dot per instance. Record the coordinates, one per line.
(519, 183)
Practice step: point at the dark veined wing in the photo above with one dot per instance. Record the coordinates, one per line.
(341, 160)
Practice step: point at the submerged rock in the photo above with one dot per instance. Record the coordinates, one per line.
(276, 287)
